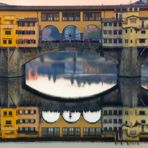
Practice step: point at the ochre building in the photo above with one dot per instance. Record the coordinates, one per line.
(110, 26)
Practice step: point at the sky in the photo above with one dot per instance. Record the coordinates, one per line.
(66, 2)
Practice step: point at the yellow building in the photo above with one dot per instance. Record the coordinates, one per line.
(64, 127)
(8, 27)
(29, 26)
(28, 122)
(8, 123)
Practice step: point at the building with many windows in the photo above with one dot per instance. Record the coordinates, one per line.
(32, 26)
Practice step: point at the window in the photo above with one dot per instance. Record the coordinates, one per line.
(126, 31)
(105, 23)
(143, 32)
(4, 41)
(8, 121)
(115, 41)
(71, 131)
(5, 113)
(105, 31)
(10, 113)
(91, 16)
(91, 131)
(120, 120)
(115, 120)
(105, 41)
(45, 131)
(110, 112)
(115, 32)
(110, 40)
(141, 40)
(120, 32)
(71, 16)
(110, 32)
(142, 112)
(115, 24)
(115, 112)
(143, 121)
(110, 24)
(9, 41)
(8, 32)
(120, 42)
(105, 120)
(105, 112)
(50, 16)
(126, 41)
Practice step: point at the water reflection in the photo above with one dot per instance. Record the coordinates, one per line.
(71, 75)
(119, 114)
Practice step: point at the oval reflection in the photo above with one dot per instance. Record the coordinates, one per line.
(92, 117)
(50, 117)
(72, 75)
(71, 116)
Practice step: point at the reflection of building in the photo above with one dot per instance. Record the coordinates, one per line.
(9, 123)
(65, 127)
(124, 123)
(19, 122)
(28, 121)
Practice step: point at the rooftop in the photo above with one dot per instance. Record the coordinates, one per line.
(48, 8)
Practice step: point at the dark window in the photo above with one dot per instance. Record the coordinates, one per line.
(8, 121)
(71, 16)
(120, 112)
(115, 112)
(143, 121)
(115, 32)
(105, 112)
(110, 112)
(5, 113)
(8, 32)
(120, 32)
(91, 16)
(10, 113)
(142, 112)
(71, 131)
(115, 41)
(143, 32)
(91, 131)
(110, 24)
(105, 23)
(9, 41)
(4, 41)
(141, 40)
(120, 120)
(120, 41)
(50, 16)
(115, 24)
(115, 120)
(110, 40)
(50, 132)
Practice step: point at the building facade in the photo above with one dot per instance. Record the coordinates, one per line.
(31, 26)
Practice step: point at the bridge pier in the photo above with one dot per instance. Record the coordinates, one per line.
(129, 91)
(129, 66)
(10, 63)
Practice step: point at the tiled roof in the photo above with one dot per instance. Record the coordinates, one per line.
(49, 8)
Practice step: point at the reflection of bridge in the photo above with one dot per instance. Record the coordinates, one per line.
(127, 93)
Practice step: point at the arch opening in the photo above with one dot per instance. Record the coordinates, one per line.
(71, 33)
(50, 33)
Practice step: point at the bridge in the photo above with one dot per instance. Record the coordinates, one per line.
(31, 31)
(12, 61)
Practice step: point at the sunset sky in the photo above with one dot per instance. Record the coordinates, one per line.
(66, 2)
